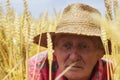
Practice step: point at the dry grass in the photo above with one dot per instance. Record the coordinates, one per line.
(16, 33)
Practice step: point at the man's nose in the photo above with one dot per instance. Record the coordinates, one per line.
(75, 54)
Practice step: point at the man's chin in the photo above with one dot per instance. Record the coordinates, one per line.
(72, 75)
(76, 74)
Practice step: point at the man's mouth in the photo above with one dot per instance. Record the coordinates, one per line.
(75, 66)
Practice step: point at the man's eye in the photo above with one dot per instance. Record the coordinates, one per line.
(83, 46)
(67, 45)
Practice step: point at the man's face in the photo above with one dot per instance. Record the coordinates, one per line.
(79, 49)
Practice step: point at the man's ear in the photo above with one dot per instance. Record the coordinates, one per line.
(101, 53)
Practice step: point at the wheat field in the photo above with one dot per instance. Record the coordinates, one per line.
(17, 32)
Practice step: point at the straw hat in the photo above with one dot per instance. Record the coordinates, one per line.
(77, 19)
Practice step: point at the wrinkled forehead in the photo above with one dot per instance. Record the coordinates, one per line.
(79, 38)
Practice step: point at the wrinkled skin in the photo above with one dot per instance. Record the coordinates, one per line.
(80, 49)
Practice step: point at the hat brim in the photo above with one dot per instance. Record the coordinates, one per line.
(41, 39)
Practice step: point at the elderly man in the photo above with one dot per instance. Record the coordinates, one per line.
(77, 40)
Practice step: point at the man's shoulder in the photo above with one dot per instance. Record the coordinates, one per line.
(35, 64)
(38, 57)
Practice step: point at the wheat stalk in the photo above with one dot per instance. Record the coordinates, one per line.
(108, 5)
(50, 55)
(12, 70)
(116, 6)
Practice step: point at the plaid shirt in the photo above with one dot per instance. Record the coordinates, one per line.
(36, 72)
